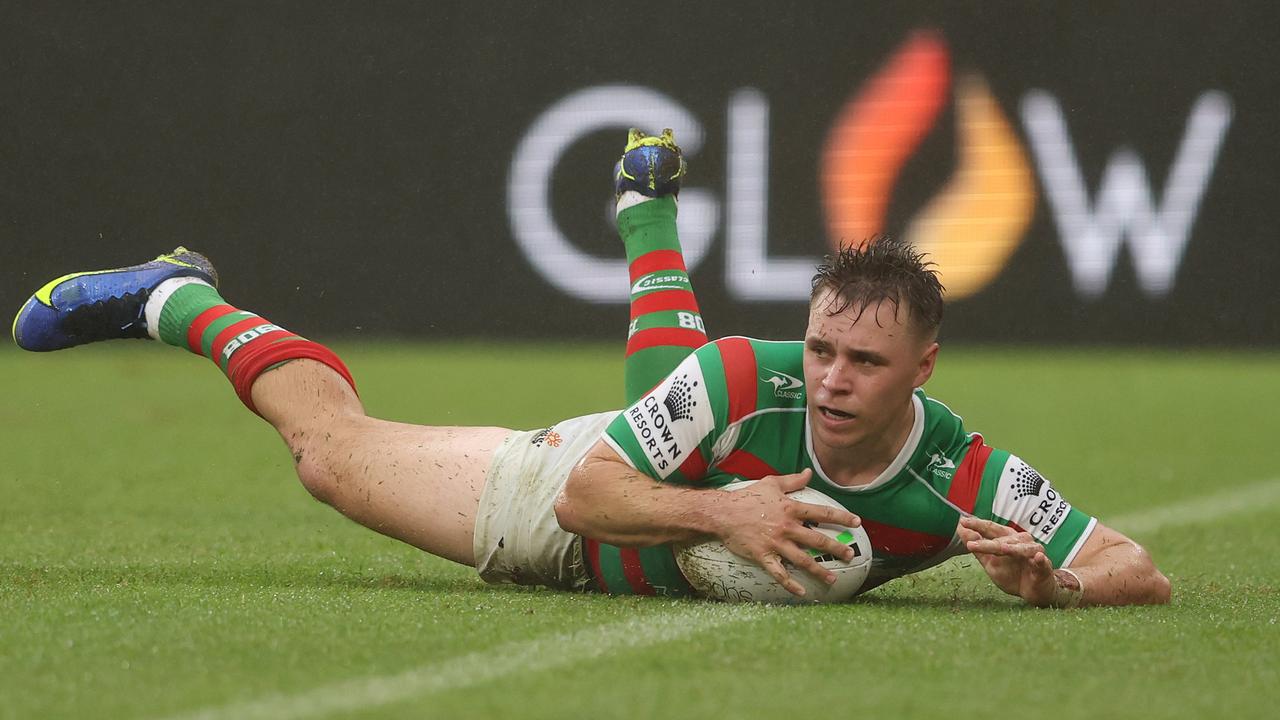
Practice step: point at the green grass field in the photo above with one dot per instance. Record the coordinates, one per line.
(158, 558)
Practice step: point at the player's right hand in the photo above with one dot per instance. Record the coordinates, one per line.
(762, 524)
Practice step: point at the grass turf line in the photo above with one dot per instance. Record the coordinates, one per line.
(142, 576)
(552, 653)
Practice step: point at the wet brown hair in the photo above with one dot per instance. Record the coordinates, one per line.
(883, 269)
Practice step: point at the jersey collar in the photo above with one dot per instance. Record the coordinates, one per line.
(890, 472)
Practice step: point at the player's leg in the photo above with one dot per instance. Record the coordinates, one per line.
(418, 484)
(665, 327)
(665, 323)
(415, 483)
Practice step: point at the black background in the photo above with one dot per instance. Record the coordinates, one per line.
(345, 165)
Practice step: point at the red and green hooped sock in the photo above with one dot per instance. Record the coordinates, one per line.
(243, 345)
(666, 326)
(665, 322)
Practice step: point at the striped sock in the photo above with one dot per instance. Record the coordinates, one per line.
(190, 314)
(665, 323)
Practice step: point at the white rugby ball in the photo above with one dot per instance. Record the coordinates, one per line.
(716, 572)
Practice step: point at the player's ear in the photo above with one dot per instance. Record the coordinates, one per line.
(927, 361)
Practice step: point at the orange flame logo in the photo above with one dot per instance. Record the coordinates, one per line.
(979, 218)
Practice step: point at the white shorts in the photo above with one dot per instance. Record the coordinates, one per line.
(517, 538)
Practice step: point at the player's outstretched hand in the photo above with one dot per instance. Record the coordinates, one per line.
(1014, 561)
(762, 524)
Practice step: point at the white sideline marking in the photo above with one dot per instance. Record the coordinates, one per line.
(563, 649)
(1237, 501)
(537, 655)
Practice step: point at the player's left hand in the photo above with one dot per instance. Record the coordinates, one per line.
(1014, 561)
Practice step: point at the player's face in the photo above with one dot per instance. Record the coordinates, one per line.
(860, 368)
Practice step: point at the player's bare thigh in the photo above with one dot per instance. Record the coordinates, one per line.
(416, 483)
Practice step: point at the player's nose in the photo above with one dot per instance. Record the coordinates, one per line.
(836, 379)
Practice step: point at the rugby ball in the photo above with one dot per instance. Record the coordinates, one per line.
(716, 572)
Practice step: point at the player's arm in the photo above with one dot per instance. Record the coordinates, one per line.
(608, 500)
(1035, 544)
(1109, 569)
(1115, 570)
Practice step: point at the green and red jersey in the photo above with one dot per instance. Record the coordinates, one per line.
(735, 410)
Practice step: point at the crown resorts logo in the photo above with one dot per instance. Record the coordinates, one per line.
(972, 227)
(679, 399)
(1027, 482)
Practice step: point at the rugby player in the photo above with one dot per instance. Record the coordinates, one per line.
(595, 502)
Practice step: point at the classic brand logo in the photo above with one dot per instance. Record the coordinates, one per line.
(660, 282)
(784, 385)
(941, 465)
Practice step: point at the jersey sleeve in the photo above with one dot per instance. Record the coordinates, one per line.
(669, 432)
(1013, 493)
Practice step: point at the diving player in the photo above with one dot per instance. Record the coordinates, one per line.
(840, 410)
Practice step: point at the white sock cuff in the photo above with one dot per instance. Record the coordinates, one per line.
(630, 199)
(157, 299)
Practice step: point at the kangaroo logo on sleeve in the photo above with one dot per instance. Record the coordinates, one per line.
(784, 385)
(941, 465)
